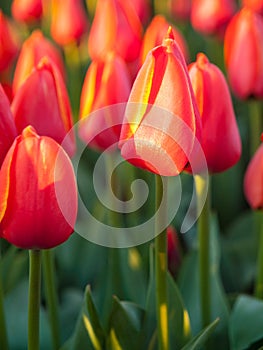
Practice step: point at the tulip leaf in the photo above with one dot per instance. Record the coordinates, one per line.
(246, 322)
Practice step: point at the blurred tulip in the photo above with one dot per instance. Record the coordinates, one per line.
(42, 101)
(143, 9)
(69, 21)
(9, 45)
(116, 27)
(220, 135)
(212, 16)
(27, 10)
(160, 108)
(34, 48)
(174, 251)
(181, 9)
(243, 50)
(107, 83)
(38, 195)
(155, 33)
(255, 5)
(7, 125)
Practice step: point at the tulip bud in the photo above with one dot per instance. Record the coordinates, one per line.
(174, 251)
(27, 10)
(180, 9)
(255, 5)
(35, 47)
(243, 50)
(161, 121)
(107, 83)
(220, 136)
(42, 101)
(38, 195)
(142, 8)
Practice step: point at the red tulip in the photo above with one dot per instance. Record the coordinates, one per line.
(42, 101)
(155, 33)
(255, 5)
(7, 125)
(107, 83)
(253, 184)
(211, 16)
(69, 21)
(173, 250)
(35, 47)
(9, 46)
(142, 8)
(27, 10)
(220, 136)
(38, 195)
(243, 49)
(181, 9)
(116, 27)
(161, 106)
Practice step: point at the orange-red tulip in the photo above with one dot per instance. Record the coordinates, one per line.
(181, 9)
(42, 101)
(38, 195)
(69, 21)
(256, 5)
(142, 8)
(35, 47)
(7, 125)
(107, 83)
(116, 27)
(155, 33)
(220, 135)
(161, 109)
(243, 49)
(27, 10)
(212, 16)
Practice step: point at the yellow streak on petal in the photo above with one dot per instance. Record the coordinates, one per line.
(89, 92)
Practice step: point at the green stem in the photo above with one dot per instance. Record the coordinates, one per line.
(34, 299)
(203, 229)
(3, 331)
(255, 124)
(161, 265)
(259, 276)
(51, 296)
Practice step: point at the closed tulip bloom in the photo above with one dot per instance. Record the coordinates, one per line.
(7, 125)
(42, 101)
(107, 83)
(116, 27)
(181, 9)
(69, 21)
(27, 10)
(211, 16)
(243, 50)
(38, 195)
(220, 135)
(34, 48)
(155, 33)
(160, 112)
(255, 5)
(142, 8)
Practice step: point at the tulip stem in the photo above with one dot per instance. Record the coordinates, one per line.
(3, 332)
(51, 296)
(34, 299)
(255, 124)
(259, 276)
(203, 229)
(161, 263)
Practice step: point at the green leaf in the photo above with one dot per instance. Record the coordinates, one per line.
(200, 339)
(246, 322)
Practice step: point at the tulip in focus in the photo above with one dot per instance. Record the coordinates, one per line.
(211, 16)
(42, 101)
(27, 10)
(69, 21)
(38, 195)
(255, 5)
(161, 117)
(243, 50)
(220, 135)
(181, 9)
(107, 83)
(155, 33)
(35, 47)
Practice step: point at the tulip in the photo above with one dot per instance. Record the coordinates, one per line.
(255, 5)
(155, 33)
(35, 47)
(42, 101)
(181, 9)
(161, 103)
(69, 21)
(7, 125)
(211, 16)
(27, 10)
(220, 136)
(142, 8)
(243, 50)
(174, 251)
(107, 83)
(38, 196)
(116, 27)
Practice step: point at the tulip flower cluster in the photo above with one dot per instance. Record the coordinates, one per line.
(169, 91)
